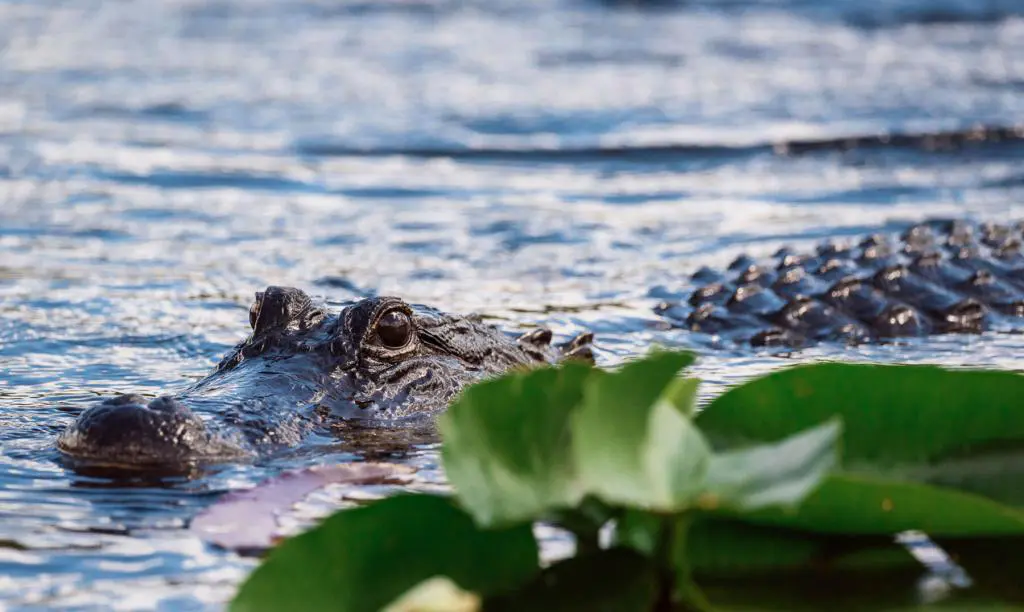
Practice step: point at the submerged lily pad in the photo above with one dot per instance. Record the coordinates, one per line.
(246, 521)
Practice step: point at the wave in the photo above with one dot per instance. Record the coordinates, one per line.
(868, 15)
(939, 141)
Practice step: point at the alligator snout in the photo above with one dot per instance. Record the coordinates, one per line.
(130, 431)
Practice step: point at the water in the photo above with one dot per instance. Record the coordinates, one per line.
(558, 161)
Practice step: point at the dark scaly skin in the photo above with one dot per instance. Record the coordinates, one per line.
(378, 361)
(936, 277)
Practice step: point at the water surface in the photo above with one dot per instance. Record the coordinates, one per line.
(563, 162)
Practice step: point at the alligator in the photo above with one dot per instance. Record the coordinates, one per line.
(378, 361)
(935, 277)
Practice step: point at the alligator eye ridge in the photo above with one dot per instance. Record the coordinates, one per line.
(394, 329)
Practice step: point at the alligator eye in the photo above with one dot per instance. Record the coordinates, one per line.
(394, 329)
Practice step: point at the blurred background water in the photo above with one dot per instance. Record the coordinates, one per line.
(559, 161)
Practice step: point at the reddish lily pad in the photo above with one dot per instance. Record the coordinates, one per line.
(246, 521)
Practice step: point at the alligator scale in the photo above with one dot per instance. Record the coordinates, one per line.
(378, 360)
(935, 277)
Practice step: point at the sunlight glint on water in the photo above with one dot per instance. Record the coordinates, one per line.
(551, 161)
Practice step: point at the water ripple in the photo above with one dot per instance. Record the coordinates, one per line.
(567, 163)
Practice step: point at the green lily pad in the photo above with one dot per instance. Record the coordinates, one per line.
(507, 444)
(682, 393)
(892, 414)
(632, 444)
(866, 505)
(778, 474)
(958, 429)
(363, 559)
(533, 443)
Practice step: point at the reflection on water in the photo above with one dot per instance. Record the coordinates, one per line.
(564, 161)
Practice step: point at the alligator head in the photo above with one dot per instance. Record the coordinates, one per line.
(379, 361)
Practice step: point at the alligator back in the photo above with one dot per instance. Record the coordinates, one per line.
(936, 277)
